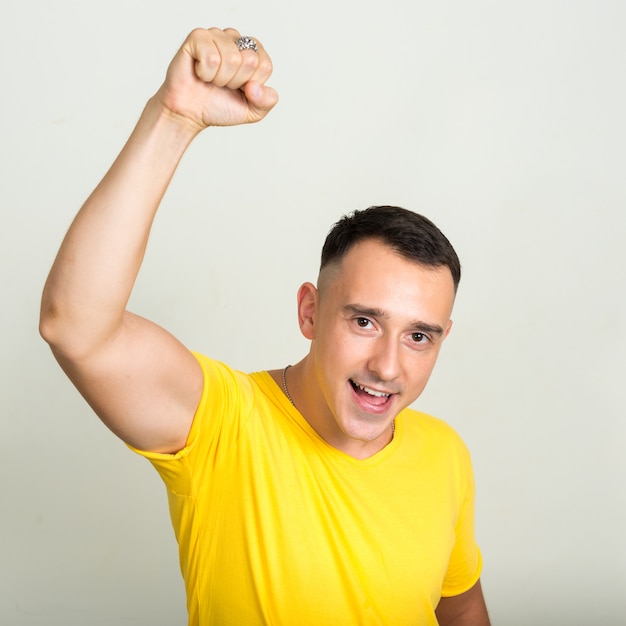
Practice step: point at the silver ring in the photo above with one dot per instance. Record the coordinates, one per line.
(247, 43)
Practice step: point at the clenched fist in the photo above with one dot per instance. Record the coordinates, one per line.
(210, 82)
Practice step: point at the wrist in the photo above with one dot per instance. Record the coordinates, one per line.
(174, 128)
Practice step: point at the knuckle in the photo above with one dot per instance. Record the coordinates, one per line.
(212, 59)
(265, 66)
(250, 61)
(233, 59)
(197, 35)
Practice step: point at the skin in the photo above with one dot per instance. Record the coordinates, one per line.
(379, 321)
(141, 381)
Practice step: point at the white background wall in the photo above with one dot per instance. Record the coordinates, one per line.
(502, 121)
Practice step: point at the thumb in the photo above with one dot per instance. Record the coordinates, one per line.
(261, 98)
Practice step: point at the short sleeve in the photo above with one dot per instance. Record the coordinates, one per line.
(465, 564)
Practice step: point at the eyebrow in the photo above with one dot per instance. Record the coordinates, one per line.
(366, 311)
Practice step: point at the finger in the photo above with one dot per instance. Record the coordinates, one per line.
(247, 69)
(264, 68)
(256, 64)
(201, 47)
(261, 99)
(238, 65)
(217, 58)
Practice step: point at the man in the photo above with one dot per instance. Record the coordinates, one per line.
(308, 495)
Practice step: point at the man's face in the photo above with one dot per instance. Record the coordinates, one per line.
(377, 324)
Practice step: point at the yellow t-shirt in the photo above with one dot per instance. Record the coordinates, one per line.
(277, 527)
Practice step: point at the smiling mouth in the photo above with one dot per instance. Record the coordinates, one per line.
(372, 393)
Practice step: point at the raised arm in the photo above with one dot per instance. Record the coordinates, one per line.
(138, 378)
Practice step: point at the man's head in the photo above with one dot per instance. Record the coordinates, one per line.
(411, 235)
(376, 322)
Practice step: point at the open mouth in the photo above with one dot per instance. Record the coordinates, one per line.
(371, 396)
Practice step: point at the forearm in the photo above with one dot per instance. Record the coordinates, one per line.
(91, 280)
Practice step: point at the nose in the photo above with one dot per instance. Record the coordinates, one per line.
(384, 360)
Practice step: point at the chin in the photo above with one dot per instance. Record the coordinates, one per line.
(366, 427)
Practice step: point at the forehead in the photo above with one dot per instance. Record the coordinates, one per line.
(373, 274)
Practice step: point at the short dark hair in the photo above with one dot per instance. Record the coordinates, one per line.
(410, 234)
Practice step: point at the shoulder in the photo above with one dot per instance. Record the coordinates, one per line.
(424, 424)
(228, 391)
(221, 379)
(431, 436)
(436, 447)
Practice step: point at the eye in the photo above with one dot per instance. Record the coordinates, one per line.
(362, 322)
(419, 337)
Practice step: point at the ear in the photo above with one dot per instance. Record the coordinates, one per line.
(307, 305)
(447, 331)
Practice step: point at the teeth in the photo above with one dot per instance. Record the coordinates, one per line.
(372, 392)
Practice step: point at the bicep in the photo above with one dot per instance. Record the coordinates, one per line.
(143, 384)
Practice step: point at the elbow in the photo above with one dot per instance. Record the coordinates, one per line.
(60, 332)
(74, 333)
(47, 322)
(49, 314)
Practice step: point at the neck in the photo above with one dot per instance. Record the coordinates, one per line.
(310, 402)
